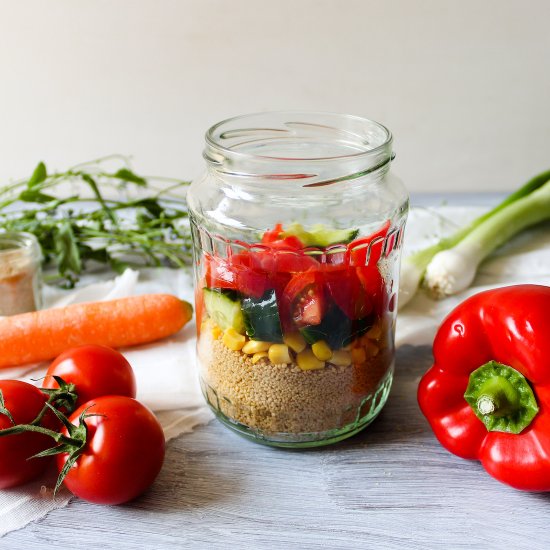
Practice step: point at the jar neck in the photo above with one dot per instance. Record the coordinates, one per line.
(298, 150)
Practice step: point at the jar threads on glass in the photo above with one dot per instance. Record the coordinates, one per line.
(297, 227)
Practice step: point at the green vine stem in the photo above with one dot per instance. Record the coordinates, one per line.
(77, 229)
(73, 444)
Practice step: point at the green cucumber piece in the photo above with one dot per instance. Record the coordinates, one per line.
(320, 236)
(334, 328)
(337, 329)
(261, 318)
(224, 307)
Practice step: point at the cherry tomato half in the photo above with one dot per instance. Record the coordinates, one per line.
(95, 371)
(24, 402)
(304, 299)
(123, 454)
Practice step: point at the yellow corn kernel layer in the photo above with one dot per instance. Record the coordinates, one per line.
(307, 358)
(214, 329)
(233, 340)
(255, 346)
(321, 350)
(279, 353)
(341, 358)
(307, 361)
(295, 341)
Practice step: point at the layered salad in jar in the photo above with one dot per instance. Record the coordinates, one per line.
(295, 331)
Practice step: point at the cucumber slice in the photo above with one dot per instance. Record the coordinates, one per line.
(337, 329)
(224, 306)
(261, 318)
(320, 236)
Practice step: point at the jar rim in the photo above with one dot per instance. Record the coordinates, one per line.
(12, 242)
(214, 135)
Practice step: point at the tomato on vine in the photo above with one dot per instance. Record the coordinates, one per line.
(94, 371)
(20, 403)
(119, 454)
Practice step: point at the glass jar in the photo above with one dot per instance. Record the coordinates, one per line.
(297, 226)
(20, 273)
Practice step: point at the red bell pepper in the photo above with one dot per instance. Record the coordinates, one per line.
(487, 396)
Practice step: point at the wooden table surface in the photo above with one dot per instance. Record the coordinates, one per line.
(392, 486)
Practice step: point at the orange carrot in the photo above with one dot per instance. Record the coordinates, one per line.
(43, 335)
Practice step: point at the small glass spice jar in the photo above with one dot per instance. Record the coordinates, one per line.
(297, 226)
(20, 273)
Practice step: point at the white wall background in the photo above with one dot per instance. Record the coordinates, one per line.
(464, 85)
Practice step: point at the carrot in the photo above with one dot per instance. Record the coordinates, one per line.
(43, 335)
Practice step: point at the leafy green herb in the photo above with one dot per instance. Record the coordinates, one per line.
(38, 176)
(111, 216)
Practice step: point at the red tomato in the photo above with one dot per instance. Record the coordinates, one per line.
(359, 248)
(347, 291)
(219, 273)
(272, 235)
(356, 285)
(304, 299)
(24, 402)
(282, 255)
(95, 371)
(282, 260)
(235, 273)
(273, 238)
(288, 243)
(374, 286)
(123, 454)
(257, 270)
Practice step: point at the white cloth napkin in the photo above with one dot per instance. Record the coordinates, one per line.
(165, 371)
(165, 374)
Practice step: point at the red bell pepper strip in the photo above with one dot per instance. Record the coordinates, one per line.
(487, 396)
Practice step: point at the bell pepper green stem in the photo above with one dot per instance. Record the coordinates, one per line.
(497, 397)
(501, 398)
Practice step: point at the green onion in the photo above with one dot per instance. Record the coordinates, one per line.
(450, 265)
